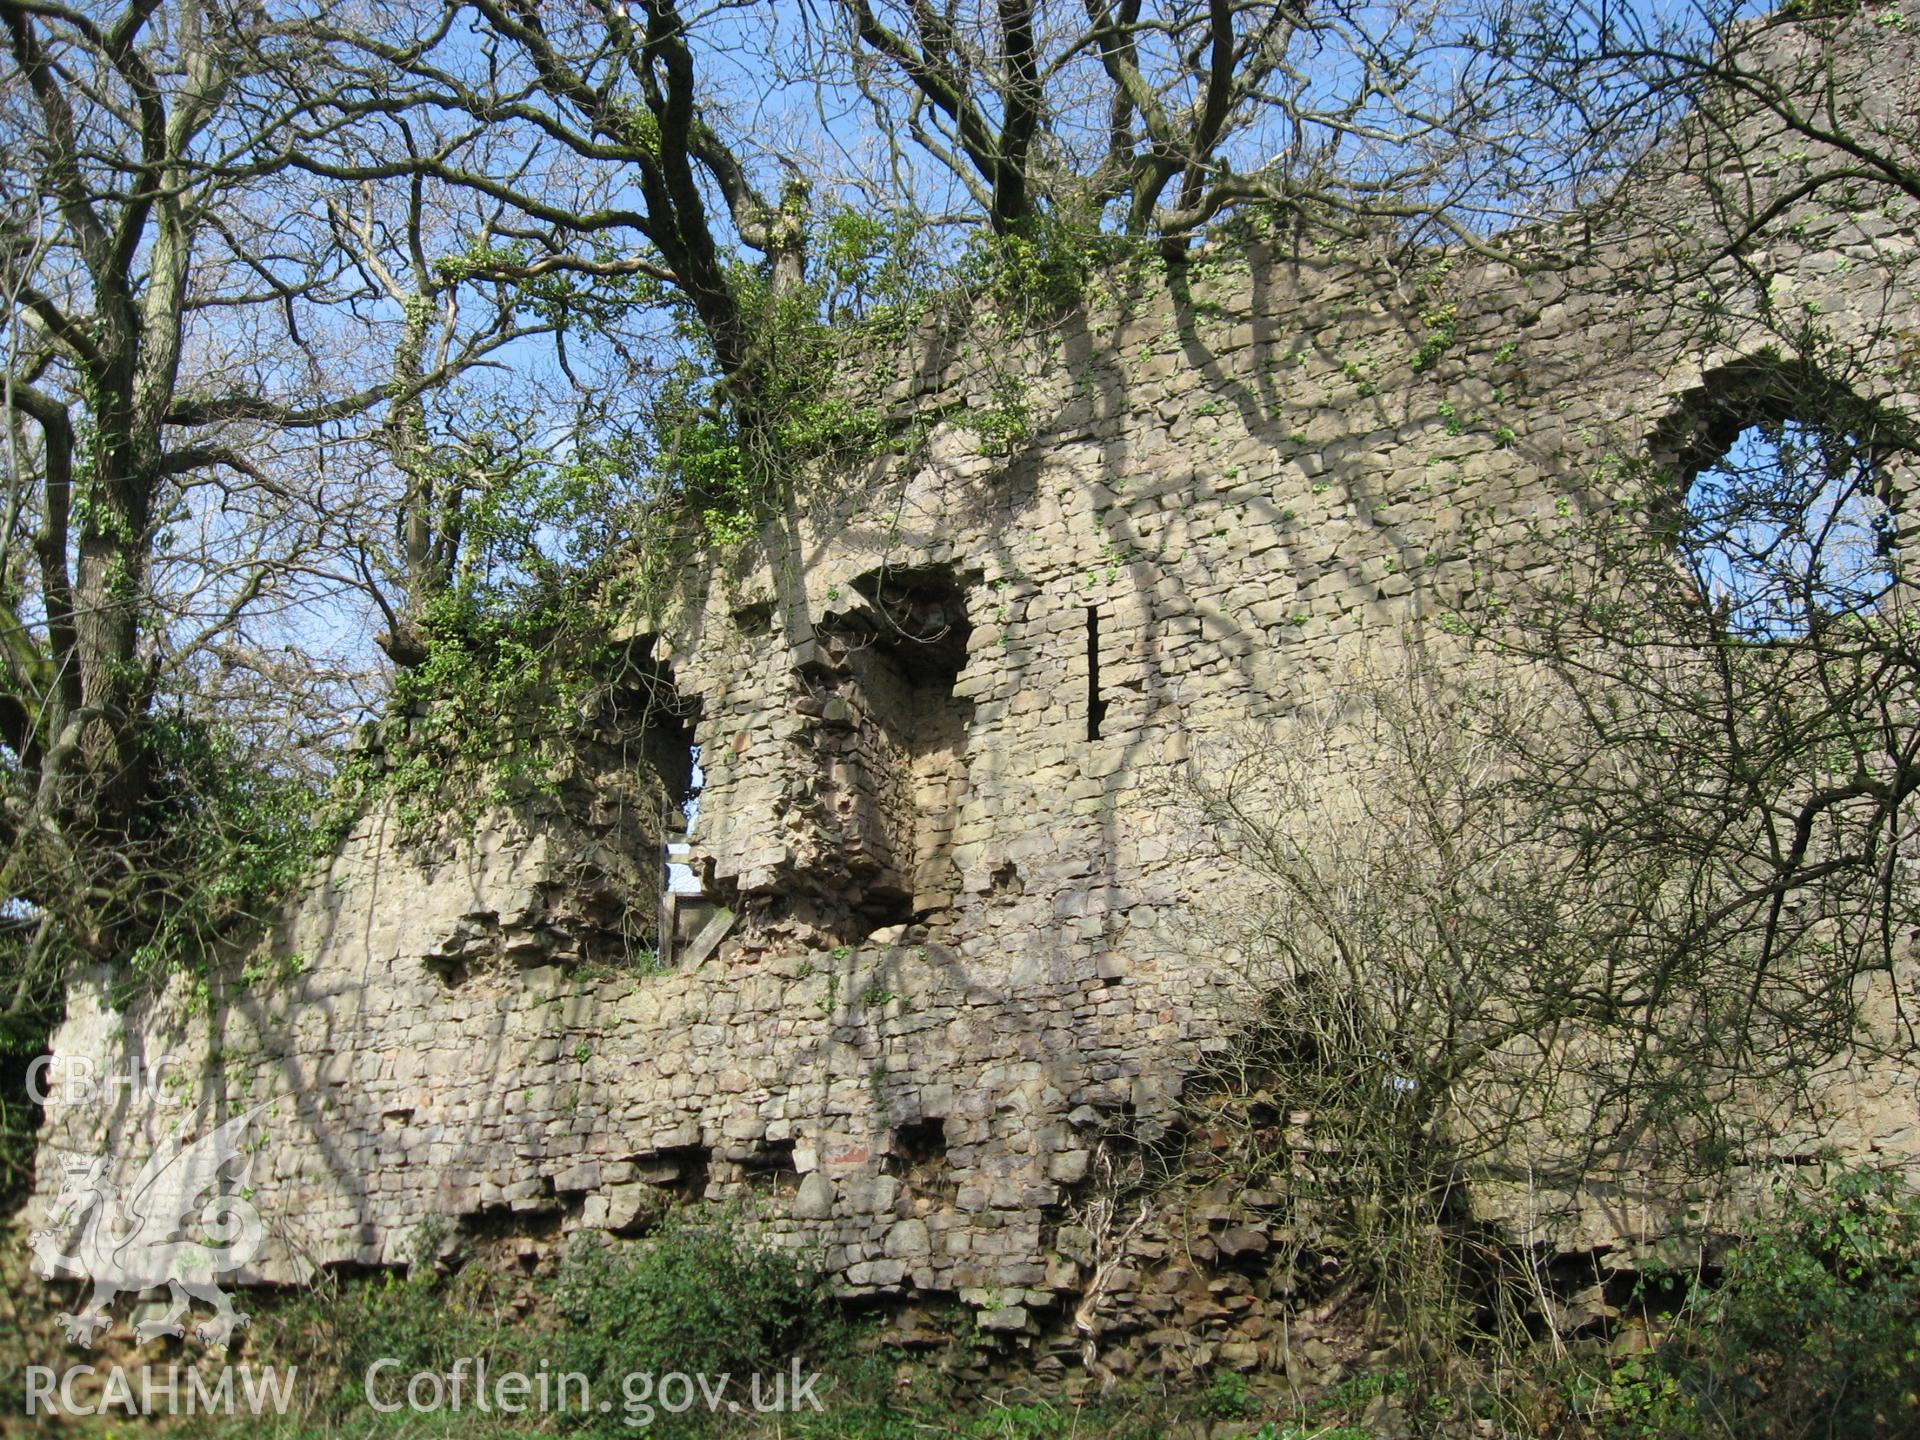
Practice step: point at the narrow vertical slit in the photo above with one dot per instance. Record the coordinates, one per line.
(1096, 707)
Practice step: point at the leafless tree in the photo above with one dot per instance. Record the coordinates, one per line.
(1609, 907)
(211, 376)
(1158, 117)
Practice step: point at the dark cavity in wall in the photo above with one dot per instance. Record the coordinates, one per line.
(896, 737)
(658, 728)
(681, 1170)
(754, 618)
(772, 1168)
(501, 1236)
(917, 1156)
(660, 722)
(1096, 706)
(919, 1142)
(502, 1223)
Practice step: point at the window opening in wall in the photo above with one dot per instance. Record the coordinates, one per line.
(1790, 528)
(1096, 707)
(902, 763)
(678, 830)
(668, 759)
(692, 922)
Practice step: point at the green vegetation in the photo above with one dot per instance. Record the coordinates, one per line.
(232, 837)
(507, 391)
(493, 705)
(1442, 323)
(512, 653)
(1811, 1326)
(1229, 1397)
(699, 1297)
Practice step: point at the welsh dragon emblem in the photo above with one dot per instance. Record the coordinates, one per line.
(131, 1238)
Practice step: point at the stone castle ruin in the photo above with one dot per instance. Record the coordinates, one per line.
(930, 954)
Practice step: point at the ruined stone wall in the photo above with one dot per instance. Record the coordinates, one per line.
(964, 946)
